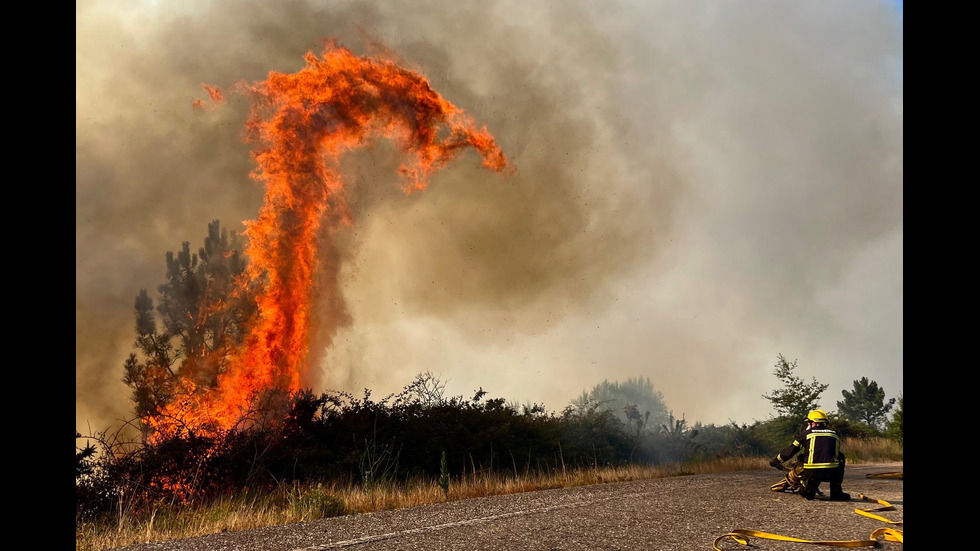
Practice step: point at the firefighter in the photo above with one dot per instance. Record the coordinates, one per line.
(819, 449)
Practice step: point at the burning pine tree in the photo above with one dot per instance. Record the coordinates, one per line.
(213, 369)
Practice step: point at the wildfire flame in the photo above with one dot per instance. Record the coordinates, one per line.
(303, 124)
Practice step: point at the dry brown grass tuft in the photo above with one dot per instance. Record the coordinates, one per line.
(871, 450)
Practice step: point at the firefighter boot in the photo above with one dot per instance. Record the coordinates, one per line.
(810, 488)
(837, 493)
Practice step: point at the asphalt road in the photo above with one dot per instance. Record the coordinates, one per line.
(676, 514)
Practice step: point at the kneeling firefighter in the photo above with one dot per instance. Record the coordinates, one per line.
(820, 458)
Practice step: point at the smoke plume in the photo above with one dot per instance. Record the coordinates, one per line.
(698, 187)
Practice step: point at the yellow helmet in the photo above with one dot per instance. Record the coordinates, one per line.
(817, 416)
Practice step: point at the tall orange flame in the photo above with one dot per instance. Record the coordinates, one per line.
(304, 123)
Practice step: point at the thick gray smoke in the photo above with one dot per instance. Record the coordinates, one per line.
(699, 187)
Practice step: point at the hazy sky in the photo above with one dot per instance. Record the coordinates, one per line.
(700, 186)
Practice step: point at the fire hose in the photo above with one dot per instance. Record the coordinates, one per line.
(889, 534)
(897, 474)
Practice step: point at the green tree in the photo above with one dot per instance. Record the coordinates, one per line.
(796, 398)
(204, 309)
(634, 401)
(894, 426)
(866, 403)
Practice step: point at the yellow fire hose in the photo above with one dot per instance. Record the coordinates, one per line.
(889, 534)
(897, 474)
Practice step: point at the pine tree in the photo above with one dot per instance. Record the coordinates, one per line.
(201, 316)
(894, 428)
(866, 403)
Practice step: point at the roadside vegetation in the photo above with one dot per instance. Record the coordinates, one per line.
(335, 454)
(298, 501)
(305, 456)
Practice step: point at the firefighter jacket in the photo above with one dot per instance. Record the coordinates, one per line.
(819, 449)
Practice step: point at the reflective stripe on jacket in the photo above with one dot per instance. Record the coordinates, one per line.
(822, 448)
(819, 447)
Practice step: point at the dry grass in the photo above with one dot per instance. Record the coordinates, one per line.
(303, 503)
(871, 450)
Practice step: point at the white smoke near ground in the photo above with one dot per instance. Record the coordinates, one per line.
(699, 187)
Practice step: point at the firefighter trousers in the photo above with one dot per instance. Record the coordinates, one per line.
(834, 476)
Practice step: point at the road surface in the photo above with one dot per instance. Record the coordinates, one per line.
(675, 514)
